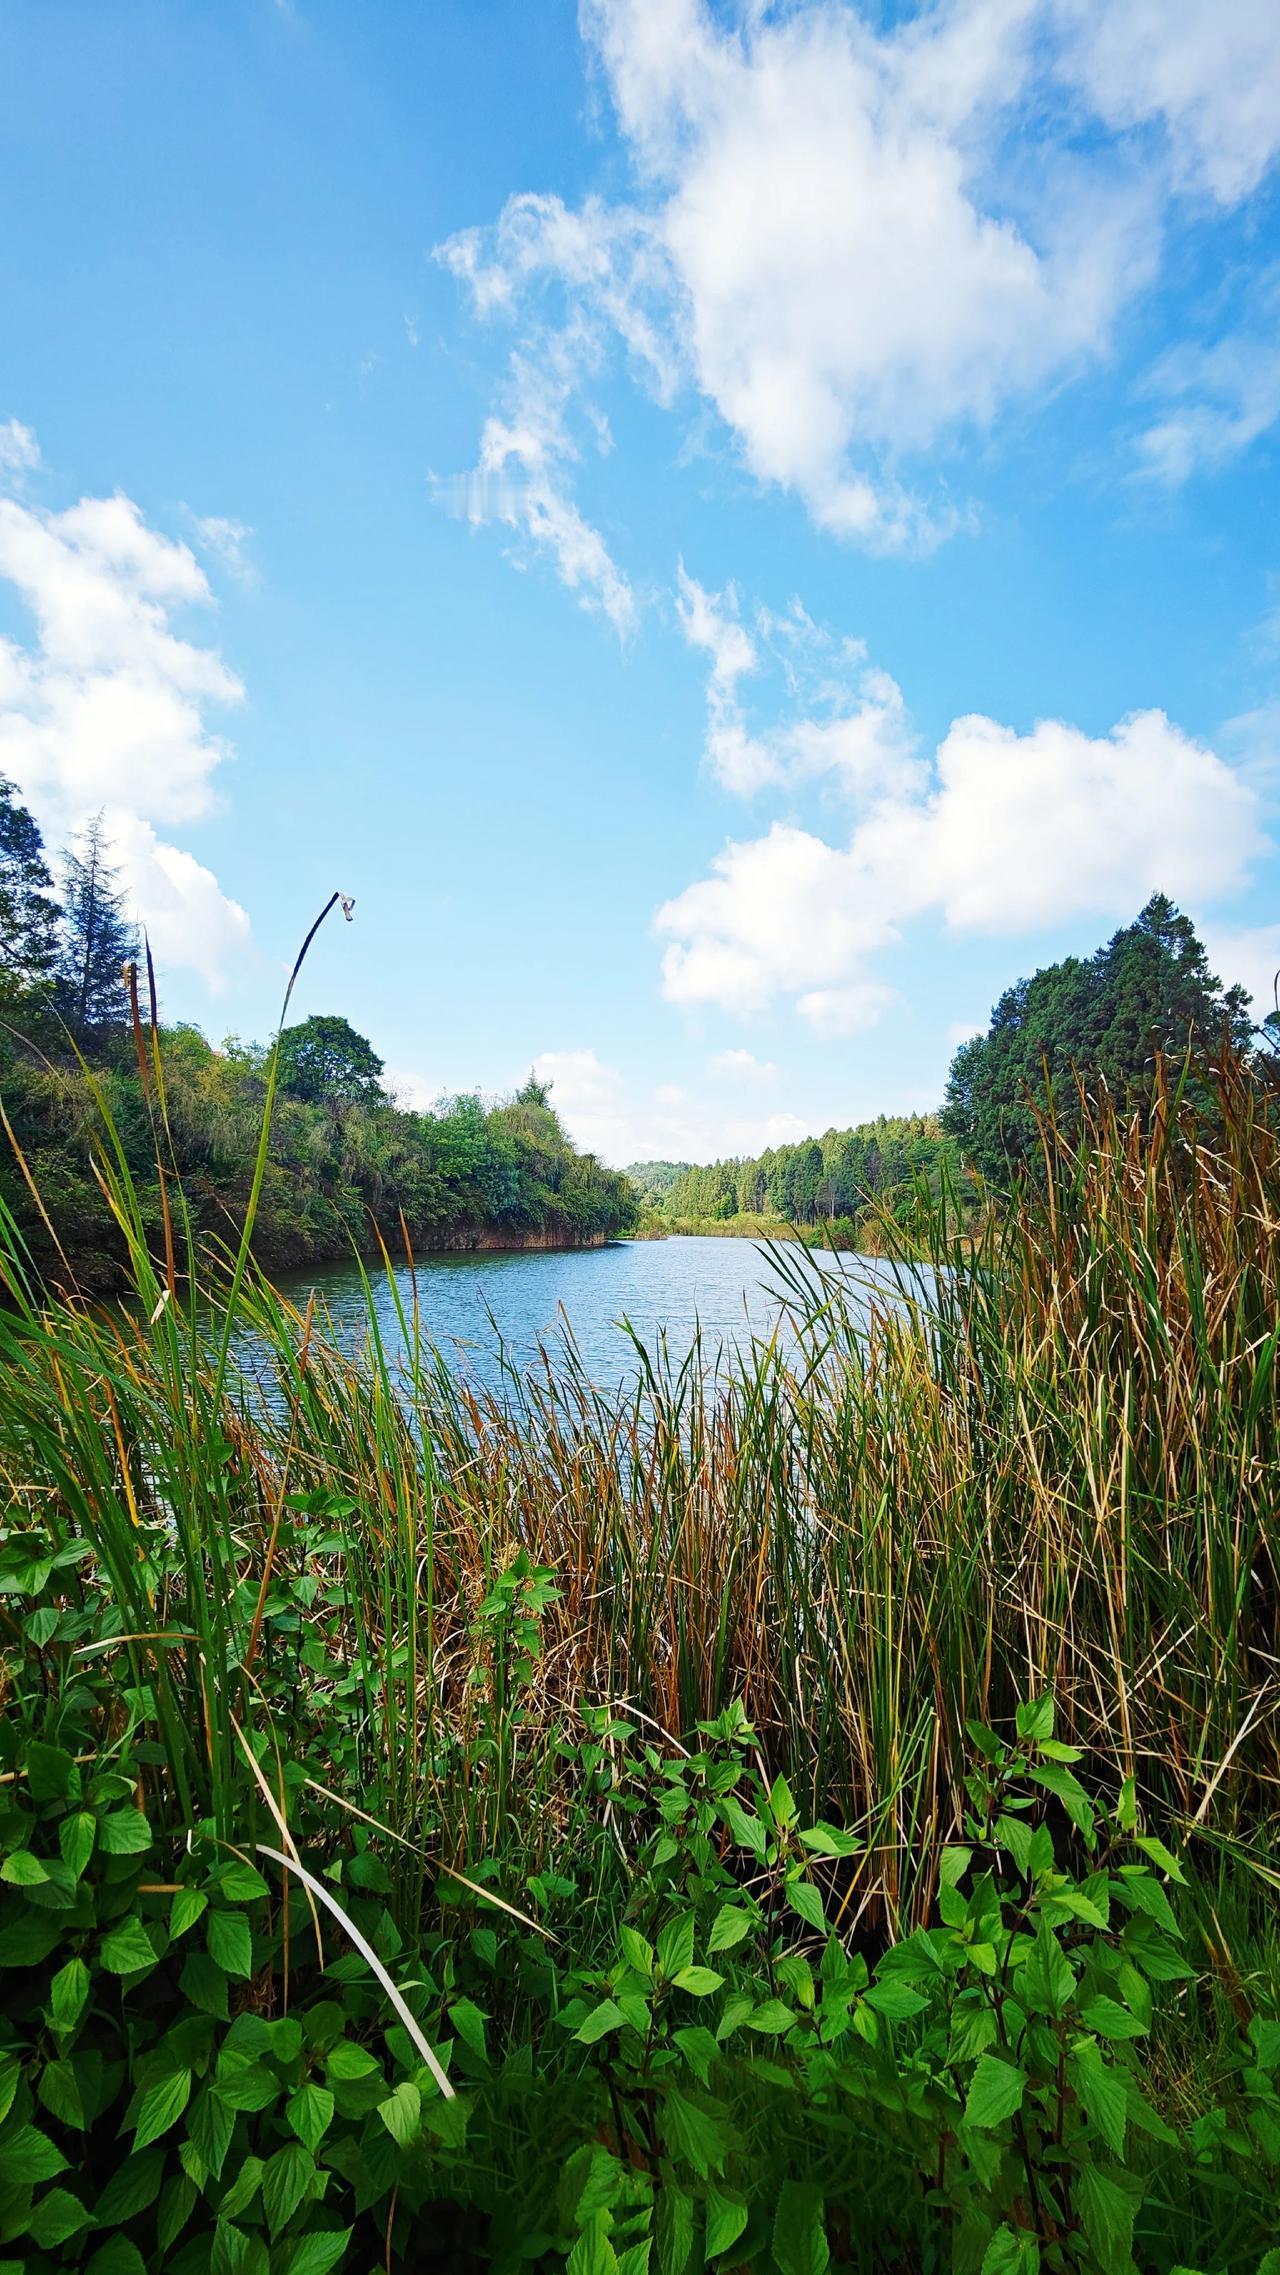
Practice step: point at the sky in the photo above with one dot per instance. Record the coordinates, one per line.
(732, 531)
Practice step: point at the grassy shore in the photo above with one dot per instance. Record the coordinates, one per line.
(822, 1808)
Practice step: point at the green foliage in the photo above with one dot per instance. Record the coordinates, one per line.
(849, 1178)
(98, 937)
(324, 1058)
(28, 910)
(1105, 1018)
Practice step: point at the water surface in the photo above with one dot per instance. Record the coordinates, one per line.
(472, 1305)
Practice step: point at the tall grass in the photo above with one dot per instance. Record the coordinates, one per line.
(1047, 1457)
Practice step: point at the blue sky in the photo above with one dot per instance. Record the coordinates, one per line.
(731, 531)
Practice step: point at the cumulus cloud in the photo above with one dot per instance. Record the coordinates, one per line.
(1012, 833)
(835, 240)
(106, 706)
(743, 1066)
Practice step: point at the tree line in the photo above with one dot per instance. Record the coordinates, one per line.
(347, 1164)
(838, 1178)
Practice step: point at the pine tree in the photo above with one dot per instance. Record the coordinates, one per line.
(29, 914)
(98, 937)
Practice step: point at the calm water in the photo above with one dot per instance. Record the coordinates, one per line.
(469, 1304)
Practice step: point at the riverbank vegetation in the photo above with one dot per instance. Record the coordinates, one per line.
(849, 1179)
(348, 1167)
(816, 1806)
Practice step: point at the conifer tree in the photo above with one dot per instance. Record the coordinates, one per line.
(29, 913)
(99, 938)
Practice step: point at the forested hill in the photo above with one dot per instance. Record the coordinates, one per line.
(838, 1177)
(347, 1163)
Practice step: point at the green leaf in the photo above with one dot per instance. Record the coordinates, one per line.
(896, 2001)
(242, 1883)
(1011, 2251)
(188, 1904)
(67, 1994)
(162, 2105)
(1101, 2091)
(995, 2091)
(771, 2018)
(781, 1804)
(76, 1837)
(1106, 2213)
(673, 2228)
(602, 2019)
(347, 2061)
(230, 1942)
(401, 2113)
(592, 2254)
(117, 2257)
(203, 1982)
(1109, 2019)
(28, 1940)
(1035, 1719)
(286, 2181)
(799, 2230)
(317, 2253)
(726, 2218)
(699, 2049)
(127, 1950)
(177, 2204)
(729, 1928)
(52, 1775)
(310, 2114)
(635, 1950)
(23, 1870)
(250, 2086)
(1160, 1855)
(28, 2156)
(675, 1945)
(696, 2131)
(56, 2217)
(828, 1840)
(132, 2186)
(699, 1982)
(125, 1832)
(806, 1902)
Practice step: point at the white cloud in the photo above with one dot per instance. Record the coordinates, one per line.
(602, 1113)
(854, 240)
(1217, 400)
(862, 740)
(106, 706)
(228, 541)
(1248, 955)
(743, 1066)
(19, 450)
(1013, 833)
(412, 1090)
(1207, 70)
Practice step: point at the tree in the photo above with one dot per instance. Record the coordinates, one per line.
(323, 1058)
(98, 938)
(1149, 991)
(29, 914)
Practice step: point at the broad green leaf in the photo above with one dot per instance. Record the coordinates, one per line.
(162, 2105)
(347, 2061)
(995, 2091)
(28, 2156)
(806, 1902)
(67, 1994)
(204, 1983)
(127, 1950)
(1035, 1719)
(56, 2217)
(469, 2023)
(117, 2257)
(1108, 2019)
(59, 2092)
(287, 2179)
(781, 1804)
(23, 1870)
(829, 1840)
(799, 2230)
(675, 1945)
(317, 2253)
(310, 2114)
(771, 2018)
(188, 1904)
(133, 2185)
(124, 1832)
(635, 1950)
(1011, 2251)
(729, 1928)
(230, 1942)
(1101, 2091)
(1106, 2213)
(242, 1883)
(699, 1982)
(699, 2049)
(726, 2218)
(896, 2001)
(696, 2131)
(1160, 1855)
(602, 2019)
(593, 2253)
(76, 1836)
(673, 2228)
(401, 2112)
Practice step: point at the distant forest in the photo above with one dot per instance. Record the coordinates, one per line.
(347, 1164)
(837, 1177)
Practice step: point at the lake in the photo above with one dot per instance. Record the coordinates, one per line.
(471, 1303)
